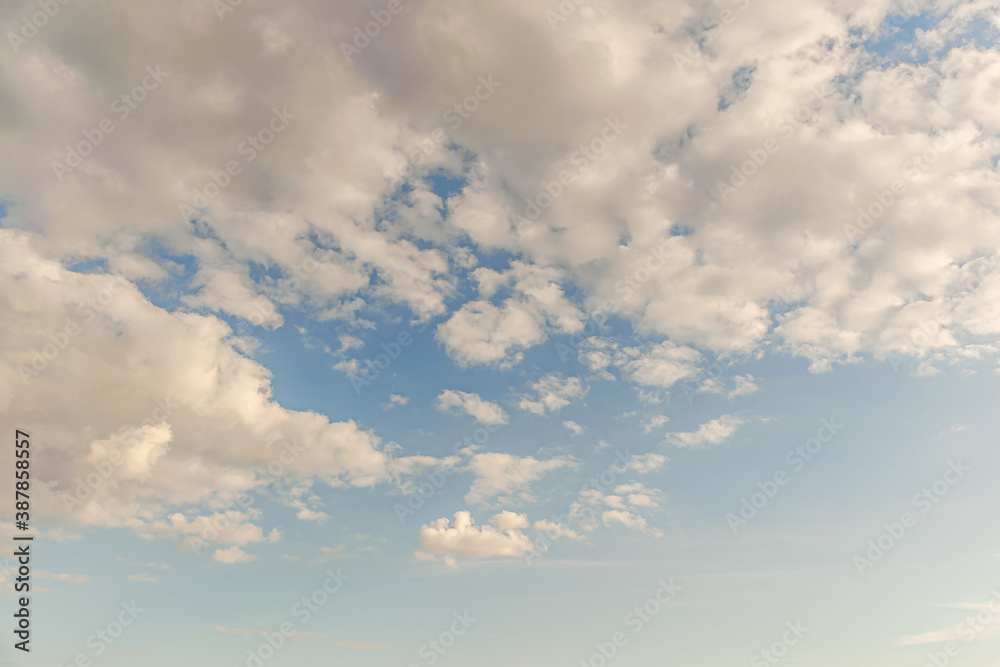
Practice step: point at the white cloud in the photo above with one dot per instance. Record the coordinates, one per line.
(333, 222)
(232, 555)
(655, 422)
(553, 392)
(394, 400)
(484, 412)
(483, 333)
(743, 385)
(198, 424)
(712, 432)
(573, 427)
(646, 463)
(503, 536)
(629, 520)
(507, 478)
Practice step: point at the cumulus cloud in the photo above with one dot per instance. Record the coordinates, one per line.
(552, 392)
(484, 333)
(655, 422)
(231, 556)
(507, 478)
(623, 507)
(484, 412)
(743, 385)
(173, 415)
(712, 432)
(394, 400)
(646, 463)
(503, 536)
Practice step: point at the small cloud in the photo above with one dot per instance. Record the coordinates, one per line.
(646, 463)
(232, 555)
(394, 400)
(305, 513)
(573, 426)
(553, 392)
(744, 384)
(349, 342)
(483, 411)
(655, 422)
(339, 552)
(710, 433)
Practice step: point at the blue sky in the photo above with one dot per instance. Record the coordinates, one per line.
(680, 347)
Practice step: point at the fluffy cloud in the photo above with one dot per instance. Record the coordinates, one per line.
(504, 536)
(231, 556)
(173, 414)
(623, 507)
(507, 478)
(553, 392)
(484, 412)
(772, 248)
(710, 433)
(646, 463)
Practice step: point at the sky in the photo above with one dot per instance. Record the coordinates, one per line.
(422, 332)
